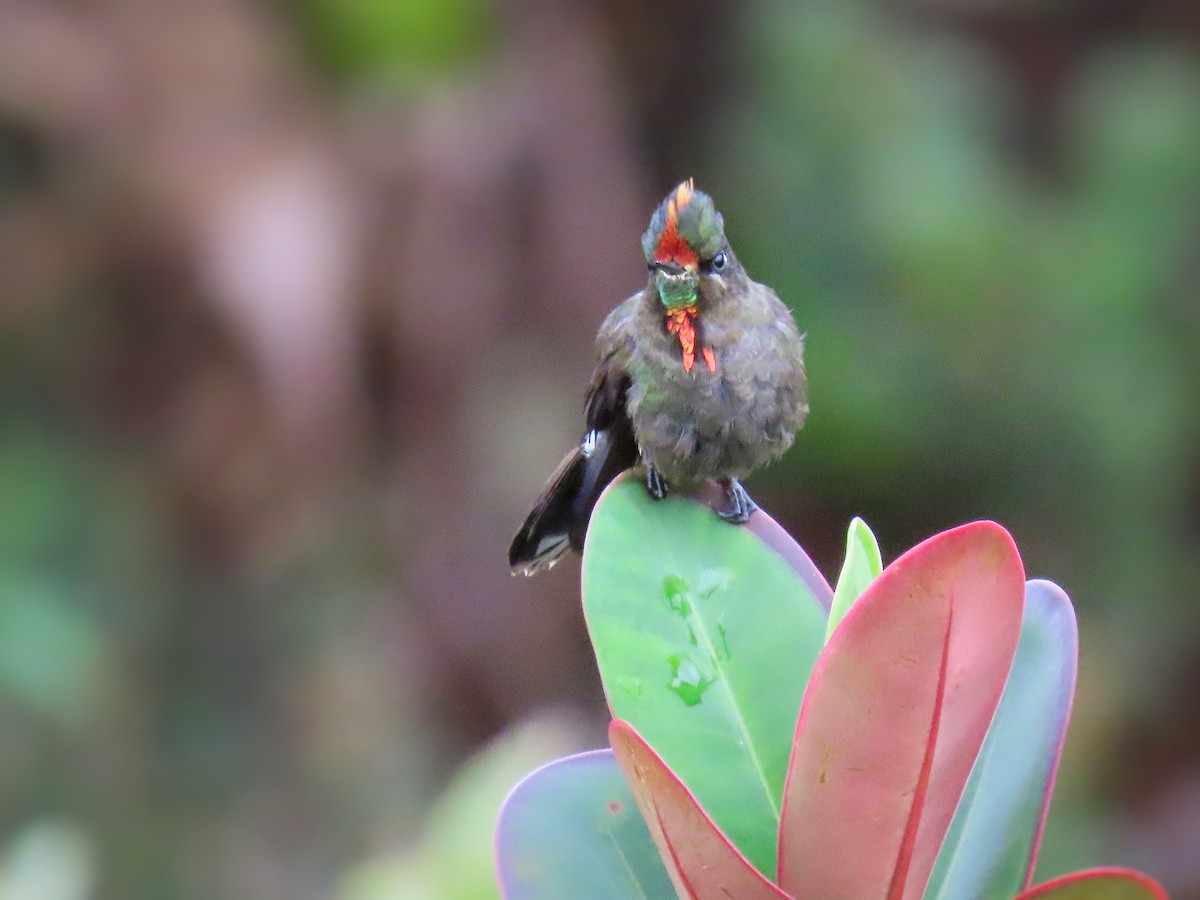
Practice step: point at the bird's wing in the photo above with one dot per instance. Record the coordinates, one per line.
(604, 404)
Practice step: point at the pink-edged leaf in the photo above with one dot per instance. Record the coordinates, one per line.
(774, 536)
(1108, 883)
(894, 716)
(991, 847)
(571, 829)
(700, 859)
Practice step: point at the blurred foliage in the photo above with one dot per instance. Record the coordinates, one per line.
(48, 861)
(44, 579)
(988, 339)
(406, 40)
(252, 600)
(453, 856)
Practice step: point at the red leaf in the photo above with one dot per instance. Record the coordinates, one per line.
(1108, 883)
(701, 861)
(894, 716)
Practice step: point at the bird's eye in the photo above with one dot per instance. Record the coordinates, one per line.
(718, 262)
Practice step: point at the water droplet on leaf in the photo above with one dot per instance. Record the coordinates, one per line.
(675, 589)
(630, 685)
(723, 653)
(713, 580)
(687, 681)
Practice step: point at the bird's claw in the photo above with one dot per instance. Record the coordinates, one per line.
(741, 505)
(656, 485)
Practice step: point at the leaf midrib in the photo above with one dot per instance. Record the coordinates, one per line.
(630, 873)
(727, 686)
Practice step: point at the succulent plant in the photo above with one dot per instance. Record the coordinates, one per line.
(902, 746)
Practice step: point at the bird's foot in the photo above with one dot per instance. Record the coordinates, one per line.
(656, 485)
(741, 506)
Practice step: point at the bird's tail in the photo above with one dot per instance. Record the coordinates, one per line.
(559, 518)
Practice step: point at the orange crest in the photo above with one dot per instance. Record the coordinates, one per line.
(672, 248)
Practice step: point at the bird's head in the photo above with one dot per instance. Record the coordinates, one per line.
(685, 240)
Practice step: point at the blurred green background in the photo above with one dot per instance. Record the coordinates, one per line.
(296, 311)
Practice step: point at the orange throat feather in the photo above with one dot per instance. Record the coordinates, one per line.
(682, 321)
(673, 248)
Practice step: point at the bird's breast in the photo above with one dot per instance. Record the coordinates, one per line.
(722, 423)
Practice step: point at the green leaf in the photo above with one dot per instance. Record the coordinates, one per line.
(705, 638)
(991, 847)
(572, 829)
(862, 566)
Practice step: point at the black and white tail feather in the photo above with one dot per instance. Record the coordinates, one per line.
(559, 518)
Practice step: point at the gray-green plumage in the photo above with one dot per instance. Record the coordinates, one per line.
(700, 375)
(701, 424)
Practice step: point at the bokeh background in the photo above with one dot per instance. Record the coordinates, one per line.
(296, 311)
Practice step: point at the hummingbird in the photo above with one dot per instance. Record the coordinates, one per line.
(700, 375)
